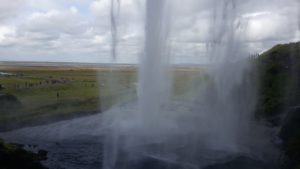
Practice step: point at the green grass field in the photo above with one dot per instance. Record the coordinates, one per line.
(48, 94)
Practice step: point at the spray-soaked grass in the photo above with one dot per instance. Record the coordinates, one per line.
(52, 93)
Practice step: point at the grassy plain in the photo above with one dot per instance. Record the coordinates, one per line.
(55, 92)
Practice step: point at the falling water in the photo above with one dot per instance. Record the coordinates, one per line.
(153, 74)
(153, 84)
(114, 13)
(216, 125)
(157, 132)
(230, 99)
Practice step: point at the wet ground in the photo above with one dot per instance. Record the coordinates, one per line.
(78, 144)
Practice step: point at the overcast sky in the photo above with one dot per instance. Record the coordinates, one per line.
(79, 30)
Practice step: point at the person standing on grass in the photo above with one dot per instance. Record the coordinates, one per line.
(57, 95)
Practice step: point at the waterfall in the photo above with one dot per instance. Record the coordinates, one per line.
(214, 124)
(154, 80)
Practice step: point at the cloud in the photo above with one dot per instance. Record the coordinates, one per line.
(270, 26)
(9, 9)
(79, 30)
(257, 25)
(7, 35)
(54, 21)
(54, 35)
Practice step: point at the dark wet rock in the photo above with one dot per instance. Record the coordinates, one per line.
(290, 135)
(150, 163)
(12, 156)
(291, 124)
(42, 154)
(241, 162)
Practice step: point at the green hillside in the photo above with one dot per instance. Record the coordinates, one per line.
(279, 70)
(279, 96)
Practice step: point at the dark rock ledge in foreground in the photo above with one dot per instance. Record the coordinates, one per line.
(13, 156)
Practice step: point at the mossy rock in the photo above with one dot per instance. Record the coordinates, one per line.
(279, 70)
(12, 156)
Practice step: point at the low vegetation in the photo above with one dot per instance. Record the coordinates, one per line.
(37, 95)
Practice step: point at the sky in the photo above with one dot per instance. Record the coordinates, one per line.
(80, 30)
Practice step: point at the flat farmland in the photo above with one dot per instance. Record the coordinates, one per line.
(39, 93)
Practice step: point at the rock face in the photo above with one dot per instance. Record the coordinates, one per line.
(279, 70)
(290, 134)
(279, 96)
